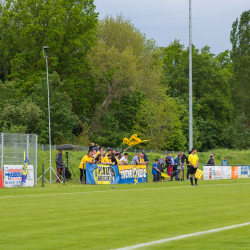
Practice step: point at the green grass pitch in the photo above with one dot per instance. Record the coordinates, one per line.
(78, 216)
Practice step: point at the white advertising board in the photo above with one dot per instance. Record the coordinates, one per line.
(13, 176)
(217, 172)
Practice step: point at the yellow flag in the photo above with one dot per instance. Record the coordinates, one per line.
(133, 140)
(164, 175)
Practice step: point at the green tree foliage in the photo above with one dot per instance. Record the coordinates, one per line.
(61, 116)
(210, 89)
(17, 115)
(237, 135)
(67, 27)
(120, 33)
(159, 121)
(114, 73)
(240, 55)
(119, 120)
(122, 62)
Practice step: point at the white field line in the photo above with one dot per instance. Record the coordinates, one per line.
(182, 237)
(123, 190)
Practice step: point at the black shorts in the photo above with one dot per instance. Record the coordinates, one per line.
(192, 170)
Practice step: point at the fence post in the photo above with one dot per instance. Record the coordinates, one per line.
(35, 160)
(2, 138)
(63, 174)
(42, 147)
(27, 146)
(43, 175)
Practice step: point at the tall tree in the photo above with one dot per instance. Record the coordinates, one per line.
(240, 55)
(67, 26)
(124, 60)
(211, 112)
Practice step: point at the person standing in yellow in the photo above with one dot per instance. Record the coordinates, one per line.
(193, 162)
(107, 160)
(86, 159)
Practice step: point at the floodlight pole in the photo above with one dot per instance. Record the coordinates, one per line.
(190, 81)
(46, 56)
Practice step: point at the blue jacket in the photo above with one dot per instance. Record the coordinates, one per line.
(154, 171)
(171, 160)
(224, 163)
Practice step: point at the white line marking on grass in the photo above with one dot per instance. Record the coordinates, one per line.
(123, 190)
(182, 237)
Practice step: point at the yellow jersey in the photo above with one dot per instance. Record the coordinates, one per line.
(84, 160)
(118, 161)
(193, 158)
(106, 159)
(141, 159)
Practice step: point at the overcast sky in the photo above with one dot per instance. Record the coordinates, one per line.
(166, 20)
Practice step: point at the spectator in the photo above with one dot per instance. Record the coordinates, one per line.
(173, 163)
(171, 158)
(177, 159)
(92, 145)
(94, 153)
(107, 160)
(117, 155)
(121, 153)
(98, 159)
(161, 168)
(108, 152)
(113, 159)
(142, 159)
(211, 161)
(184, 161)
(124, 159)
(86, 159)
(102, 154)
(59, 165)
(145, 158)
(169, 168)
(155, 170)
(224, 162)
(136, 159)
(99, 150)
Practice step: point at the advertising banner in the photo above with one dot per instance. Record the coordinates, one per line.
(102, 174)
(112, 174)
(131, 172)
(236, 172)
(245, 171)
(217, 172)
(13, 176)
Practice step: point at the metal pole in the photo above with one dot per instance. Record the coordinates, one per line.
(46, 56)
(2, 150)
(83, 175)
(63, 174)
(43, 175)
(190, 81)
(35, 160)
(27, 146)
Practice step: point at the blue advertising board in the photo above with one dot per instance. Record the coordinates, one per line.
(102, 174)
(113, 174)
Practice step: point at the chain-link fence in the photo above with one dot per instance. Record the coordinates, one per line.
(12, 149)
